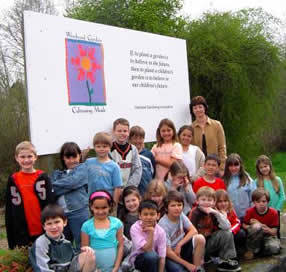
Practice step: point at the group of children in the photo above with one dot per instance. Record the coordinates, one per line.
(164, 209)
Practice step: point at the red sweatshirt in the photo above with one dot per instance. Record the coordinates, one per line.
(234, 221)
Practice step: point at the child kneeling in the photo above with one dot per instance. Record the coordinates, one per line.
(261, 223)
(184, 244)
(148, 239)
(216, 229)
(52, 252)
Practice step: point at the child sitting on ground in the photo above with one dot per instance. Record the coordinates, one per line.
(185, 247)
(261, 223)
(209, 179)
(136, 137)
(28, 192)
(103, 233)
(224, 205)
(216, 229)
(179, 179)
(52, 252)
(148, 239)
(129, 214)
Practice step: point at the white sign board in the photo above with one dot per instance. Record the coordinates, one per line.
(81, 76)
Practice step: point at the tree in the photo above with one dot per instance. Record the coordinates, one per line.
(12, 42)
(156, 16)
(13, 106)
(235, 63)
(14, 124)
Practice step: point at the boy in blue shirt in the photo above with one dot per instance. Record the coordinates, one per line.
(103, 173)
(136, 137)
(51, 252)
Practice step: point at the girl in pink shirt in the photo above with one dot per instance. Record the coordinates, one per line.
(167, 149)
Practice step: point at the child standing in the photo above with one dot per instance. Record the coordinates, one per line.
(157, 192)
(184, 245)
(136, 137)
(261, 223)
(215, 228)
(129, 214)
(209, 179)
(28, 192)
(103, 233)
(239, 184)
(167, 150)
(52, 252)
(70, 188)
(148, 240)
(266, 179)
(179, 179)
(193, 156)
(125, 154)
(103, 173)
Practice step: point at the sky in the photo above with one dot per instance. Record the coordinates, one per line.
(196, 7)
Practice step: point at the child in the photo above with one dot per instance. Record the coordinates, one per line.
(179, 180)
(157, 191)
(216, 229)
(103, 233)
(167, 150)
(224, 205)
(261, 223)
(148, 240)
(103, 173)
(209, 179)
(239, 184)
(193, 156)
(129, 215)
(70, 187)
(28, 192)
(136, 137)
(52, 252)
(125, 154)
(183, 242)
(266, 179)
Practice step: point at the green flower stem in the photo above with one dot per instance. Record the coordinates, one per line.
(89, 92)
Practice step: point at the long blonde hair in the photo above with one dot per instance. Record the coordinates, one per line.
(260, 178)
(157, 187)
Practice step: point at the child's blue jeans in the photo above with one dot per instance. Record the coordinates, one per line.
(147, 262)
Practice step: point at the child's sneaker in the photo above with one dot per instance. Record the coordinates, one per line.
(229, 265)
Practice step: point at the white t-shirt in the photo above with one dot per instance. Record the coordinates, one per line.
(189, 159)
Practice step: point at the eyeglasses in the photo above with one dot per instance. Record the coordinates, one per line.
(181, 177)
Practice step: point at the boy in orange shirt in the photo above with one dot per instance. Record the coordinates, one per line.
(28, 192)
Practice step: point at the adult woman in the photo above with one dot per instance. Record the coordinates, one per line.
(208, 133)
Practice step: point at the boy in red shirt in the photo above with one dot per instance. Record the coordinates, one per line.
(28, 192)
(209, 179)
(261, 223)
